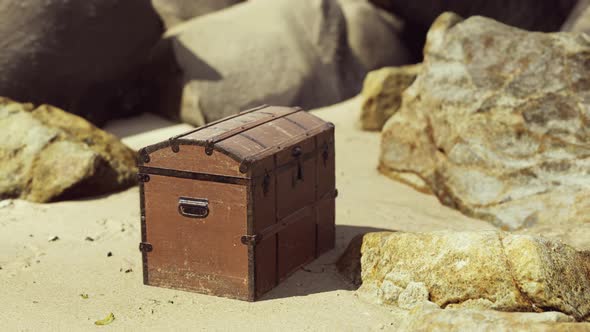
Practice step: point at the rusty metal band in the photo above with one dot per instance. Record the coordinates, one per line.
(144, 257)
(230, 133)
(247, 162)
(220, 120)
(193, 175)
(288, 220)
(251, 249)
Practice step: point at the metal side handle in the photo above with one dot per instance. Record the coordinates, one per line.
(193, 207)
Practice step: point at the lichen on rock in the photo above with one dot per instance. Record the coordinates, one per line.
(47, 154)
(495, 124)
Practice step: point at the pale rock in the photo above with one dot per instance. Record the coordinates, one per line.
(174, 12)
(475, 270)
(382, 94)
(579, 18)
(373, 35)
(414, 294)
(495, 125)
(296, 53)
(47, 154)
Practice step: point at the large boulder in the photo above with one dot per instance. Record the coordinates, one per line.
(174, 12)
(382, 94)
(495, 124)
(47, 154)
(83, 56)
(474, 270)
(283, 52)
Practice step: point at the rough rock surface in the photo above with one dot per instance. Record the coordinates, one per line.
(83, 56)
(282, 52)
(579, 19)
(475, 270)
(47, 154)
(174, 12)
(496, 123)
(382, 94)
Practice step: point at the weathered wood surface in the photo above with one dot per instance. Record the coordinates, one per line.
(283, 205)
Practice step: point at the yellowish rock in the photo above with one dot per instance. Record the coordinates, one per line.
(382, 94)
(47, 154)
(486, 269)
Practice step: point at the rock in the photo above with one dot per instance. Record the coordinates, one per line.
(480, 270)
(373, 35)
(414, 294)
(273, 52)
(174, 12)
(534, 15)
(83, 56)
(495, 123)
(47, 154)
(488, 320)
(382, 94)
(579, 18)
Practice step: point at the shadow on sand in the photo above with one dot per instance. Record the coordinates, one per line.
(321, 275)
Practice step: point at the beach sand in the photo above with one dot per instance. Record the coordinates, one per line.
(52, 253)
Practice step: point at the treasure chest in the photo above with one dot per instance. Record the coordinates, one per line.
(234, 207)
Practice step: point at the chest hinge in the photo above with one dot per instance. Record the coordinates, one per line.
(250, 239)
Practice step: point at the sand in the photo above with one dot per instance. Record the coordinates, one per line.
(52, 253)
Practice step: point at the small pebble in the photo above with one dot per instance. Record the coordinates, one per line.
(128, 270)
(53, 239)
(109, 254)
(88, 238)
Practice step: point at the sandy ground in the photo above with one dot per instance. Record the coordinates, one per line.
(52, 253)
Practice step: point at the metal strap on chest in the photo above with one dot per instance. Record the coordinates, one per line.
(245, 164)
(220, 120)
(223, 136)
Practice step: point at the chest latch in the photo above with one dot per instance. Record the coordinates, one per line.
(296, 153)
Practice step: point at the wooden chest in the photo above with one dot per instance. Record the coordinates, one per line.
(234, 207)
